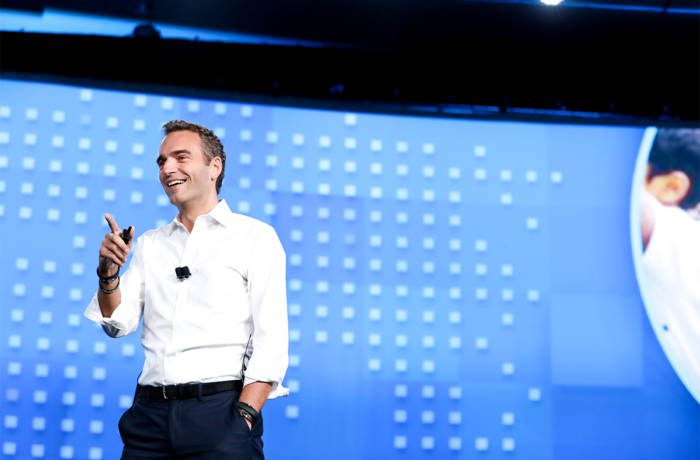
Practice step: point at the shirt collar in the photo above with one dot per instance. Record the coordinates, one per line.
(221, 213)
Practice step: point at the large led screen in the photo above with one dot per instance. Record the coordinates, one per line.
(666, 243)
(458, 289)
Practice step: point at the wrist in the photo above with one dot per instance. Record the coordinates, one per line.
(248, 418)
(107, 279)
(247, 411)
(110, 287)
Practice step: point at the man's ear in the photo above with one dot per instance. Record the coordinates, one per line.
(670, 188)
(215, 166)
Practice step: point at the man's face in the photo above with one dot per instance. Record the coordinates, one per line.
(184, 172)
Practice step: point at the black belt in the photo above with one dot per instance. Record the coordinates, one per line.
(187, 390)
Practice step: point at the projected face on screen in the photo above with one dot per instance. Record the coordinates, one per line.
(667, 252)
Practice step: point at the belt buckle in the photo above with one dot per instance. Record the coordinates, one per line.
(165, 395)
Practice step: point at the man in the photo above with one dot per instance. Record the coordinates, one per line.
(210, 287)
(670, 262)
(673, 172)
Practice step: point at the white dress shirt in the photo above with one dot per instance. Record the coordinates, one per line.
(671, 265)
(198, 329)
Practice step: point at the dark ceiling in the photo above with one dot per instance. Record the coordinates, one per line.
(368, 22)
(630, 60)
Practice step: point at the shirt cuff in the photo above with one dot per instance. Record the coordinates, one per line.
(277, 389)
(112, 325)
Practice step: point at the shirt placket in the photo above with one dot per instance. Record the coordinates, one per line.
(182, 289)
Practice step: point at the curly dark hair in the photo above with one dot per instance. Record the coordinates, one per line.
(211, 145)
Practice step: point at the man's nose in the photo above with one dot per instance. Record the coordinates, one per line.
(168, 166)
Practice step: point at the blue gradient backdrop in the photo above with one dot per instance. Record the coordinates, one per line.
(457, 289)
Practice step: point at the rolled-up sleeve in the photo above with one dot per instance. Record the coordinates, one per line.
(267, 291)
(125, 318)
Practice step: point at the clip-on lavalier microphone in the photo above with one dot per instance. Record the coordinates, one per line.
(182, 273)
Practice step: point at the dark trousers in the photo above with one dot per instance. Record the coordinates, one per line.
(204, 428)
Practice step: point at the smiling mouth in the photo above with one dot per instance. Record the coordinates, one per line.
(174, 183)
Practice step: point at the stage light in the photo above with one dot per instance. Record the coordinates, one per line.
(551, 2)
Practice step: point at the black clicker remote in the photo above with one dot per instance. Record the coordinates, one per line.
(126, 235)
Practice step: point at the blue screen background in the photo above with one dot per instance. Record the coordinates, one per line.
(457, 288)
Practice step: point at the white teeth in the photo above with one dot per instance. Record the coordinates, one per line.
(175, 182)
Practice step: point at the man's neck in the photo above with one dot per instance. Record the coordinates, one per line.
(188, 213)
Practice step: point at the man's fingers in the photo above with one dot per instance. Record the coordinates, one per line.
(111, 256)
(118, 241)
(115, 245)
(120, 253)
(113, 252)
(112, 223)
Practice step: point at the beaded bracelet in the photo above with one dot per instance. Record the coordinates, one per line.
(109, 291)
(107, 279)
